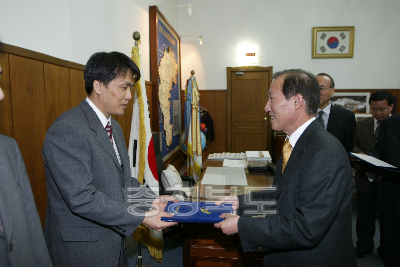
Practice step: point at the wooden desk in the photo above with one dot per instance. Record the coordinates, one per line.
(206, 246)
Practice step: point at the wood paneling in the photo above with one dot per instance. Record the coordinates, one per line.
(57, 90)
(5, 105)
(77, 89)
(29, 121)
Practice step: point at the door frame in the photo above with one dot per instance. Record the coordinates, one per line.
(230, 71)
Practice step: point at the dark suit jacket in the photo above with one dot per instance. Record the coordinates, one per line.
(364, 141)
(87, 213)
(313, 222)
(342, 125)
(22, 242)
(387, 148)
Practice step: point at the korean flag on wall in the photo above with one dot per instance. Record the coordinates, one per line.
(333, 42)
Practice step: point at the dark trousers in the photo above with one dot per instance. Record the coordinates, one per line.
(389, 217)
(367, 204)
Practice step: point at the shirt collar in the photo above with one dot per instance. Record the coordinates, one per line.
(327, 109)
(296, 134)
(99, 114)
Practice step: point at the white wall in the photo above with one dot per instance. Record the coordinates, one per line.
(75, 29)
(284, 30)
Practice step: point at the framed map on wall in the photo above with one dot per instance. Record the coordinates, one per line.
(165, 74)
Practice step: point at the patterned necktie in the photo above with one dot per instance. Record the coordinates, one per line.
(321, 118)
(109, 131)
(287, 150)
(377, 129)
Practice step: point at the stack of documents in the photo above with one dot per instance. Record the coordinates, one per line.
(227, 155)
(258, 160)
(224, 176)
(259, 156)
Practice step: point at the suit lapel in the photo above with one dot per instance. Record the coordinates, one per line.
(369, 132)
(291, 166)
(101, 134)
(5, 212)
(332, 119)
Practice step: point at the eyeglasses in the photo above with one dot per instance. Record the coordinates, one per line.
(322, 88)
(375, 110)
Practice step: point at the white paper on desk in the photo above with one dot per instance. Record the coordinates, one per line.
(374, 161)
(241, 163)
(224, 176)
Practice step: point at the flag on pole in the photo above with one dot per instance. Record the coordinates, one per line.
(142, 157)
(192, 128)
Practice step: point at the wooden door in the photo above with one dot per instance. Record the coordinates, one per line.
(248, 124)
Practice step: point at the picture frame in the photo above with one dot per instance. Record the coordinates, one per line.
(361, 116)
(165, 54)
(333, 42)
(354, 101)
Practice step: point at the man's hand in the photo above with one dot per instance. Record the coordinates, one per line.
(153, 220)
(228, 226)
(229, 200)
(161, 202)
(153, 217)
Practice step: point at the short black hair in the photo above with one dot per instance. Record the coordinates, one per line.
(327, 75)
(298, 81)
(382, 95)
(105, 67)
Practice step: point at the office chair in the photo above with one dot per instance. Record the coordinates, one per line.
(187, 180)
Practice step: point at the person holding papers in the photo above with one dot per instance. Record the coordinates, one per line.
(367, 130)
(387, 148)
(309, 221)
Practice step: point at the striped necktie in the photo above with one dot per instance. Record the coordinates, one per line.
(109, 131)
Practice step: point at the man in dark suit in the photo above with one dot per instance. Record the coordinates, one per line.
(314, 187)
(387, 148)
(381, 105)
(21, 237)
(338, 121)
(89, 184)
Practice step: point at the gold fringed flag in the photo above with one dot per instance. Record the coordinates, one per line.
(142, 157)
(192, 128)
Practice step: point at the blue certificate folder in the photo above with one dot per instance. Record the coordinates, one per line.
(196, 212)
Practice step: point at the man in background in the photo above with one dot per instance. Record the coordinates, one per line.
(367, 130)
(21, 237)
(387, 148)
(93, 202)
(312, 224)
(338, 121)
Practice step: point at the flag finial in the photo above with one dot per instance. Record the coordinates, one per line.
(136, 36)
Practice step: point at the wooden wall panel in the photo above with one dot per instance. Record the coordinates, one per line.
(29, 121)
(5, 105)
(77, 89)
(57, 91)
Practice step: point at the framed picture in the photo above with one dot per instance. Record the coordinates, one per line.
(165, 75)
(361, 116)
(332, 42)
(356, 102)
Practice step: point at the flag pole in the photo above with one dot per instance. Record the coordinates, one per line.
(136, 37)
